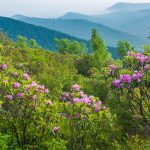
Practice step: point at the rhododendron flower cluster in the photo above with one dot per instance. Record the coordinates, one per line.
(56, 129)
(39, 88)
(117, 83)
(140, 57)
(76, 87)
(3, 66)
(19, 87)
(126, 78)
(15, 74)
(80, 97)
(133, 86)
(113, 69)
(64, 96)
(136, 75)
(16, 85)
(20, 95)
(26, 76)
(9, 97)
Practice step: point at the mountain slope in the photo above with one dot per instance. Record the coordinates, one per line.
(82, 29)
(45, 37)
(129, 7)
(128, 17)
(129, 22)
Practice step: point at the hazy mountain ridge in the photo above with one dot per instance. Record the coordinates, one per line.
(127, 17)
(82, 29)
(129, 6)
(45, 37)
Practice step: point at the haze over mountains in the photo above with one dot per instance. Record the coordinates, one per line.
(121, 23)
(125, 21)
(82, 29)
(128, 17)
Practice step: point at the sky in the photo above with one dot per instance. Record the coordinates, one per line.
(56, 8)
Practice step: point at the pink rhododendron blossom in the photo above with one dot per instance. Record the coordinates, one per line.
(33, 84)
(46, 91)
(104, 107)
(78, 115)
(125, 78)
(15, 74)
(16, 85)
(113, 67)
(131, 53)
(98, 102)
(85, 100)
(69, 117)
(97, 109)
(76, 87)
(137, 75)
(26, 76)
(64, 96)
(76, 100)
(56, 129)
(3, 66)
(146, 67)
(116, 83)
(10, 97)
(20, 95)
(140, 57)
(82, 94)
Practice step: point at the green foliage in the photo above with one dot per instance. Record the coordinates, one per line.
(146, 49)
(54, 144)
(48, 114)
(43, 36)
(23, 42)
(4, 140)
(123, 47)
(132, 93)
(100, 53)
(54, 70)
(72, 47)
(84, 64)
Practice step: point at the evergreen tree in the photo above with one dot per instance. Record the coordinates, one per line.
(99, 49)
(123, 47)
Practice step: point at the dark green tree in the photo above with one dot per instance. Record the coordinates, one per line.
(123, 47)
(67, 46)
(24, 42)
(100, 53)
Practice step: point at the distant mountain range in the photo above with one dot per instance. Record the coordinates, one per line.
(127, 17)
(82, 29)
(45, 37)
(132, 7)
(124, 21)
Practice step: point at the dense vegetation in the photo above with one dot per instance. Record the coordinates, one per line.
(44, 36)
(73, 100)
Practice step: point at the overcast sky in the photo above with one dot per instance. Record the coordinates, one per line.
(55, 8)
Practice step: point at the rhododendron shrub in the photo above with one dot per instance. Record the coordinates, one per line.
(88, 123)
(26, 112)
(131, 83)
